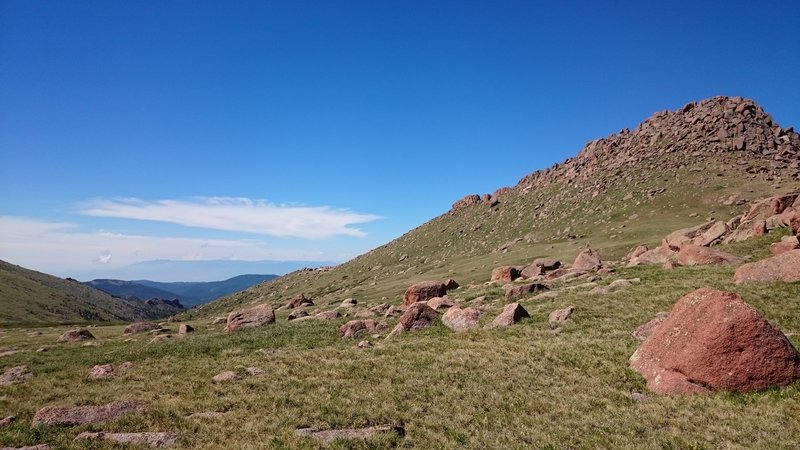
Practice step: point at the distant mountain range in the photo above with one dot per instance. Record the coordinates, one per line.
(189, 293)
(30, 297)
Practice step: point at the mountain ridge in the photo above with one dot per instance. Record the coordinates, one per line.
(675, 169)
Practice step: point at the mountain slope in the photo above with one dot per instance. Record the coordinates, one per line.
(135, 290)
(674, 170)
(30, 297)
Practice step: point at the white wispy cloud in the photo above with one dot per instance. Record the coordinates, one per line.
(63, 248)
(236, 214)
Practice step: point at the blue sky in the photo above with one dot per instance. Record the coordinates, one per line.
(133, 131)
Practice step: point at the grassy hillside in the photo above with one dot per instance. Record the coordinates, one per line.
(30, 297)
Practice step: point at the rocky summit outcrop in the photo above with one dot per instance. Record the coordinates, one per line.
(714, 340)
(76, 334)
(424, 290)
(252, 317)
(716, 126)
(79, 415)
(783, 267)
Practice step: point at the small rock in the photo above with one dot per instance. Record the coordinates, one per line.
(505, 274)
(79, 415)
(141, 327)
(77, 334)
(438, 303)
(152, 440)
(255, 371)
(296, 314)
(512, 313)
(560, 316)
(364, 344)
(7, 420)
(349, 303)
(422, 291)
(327, 315)
(451, 284)
(16, 374)
(41, 349)
(587, 260)
(458, 319)
(328, 436)
(253, 317)
(185, 328)
(127, 365)
(227, 375)
(417, 317)
(514, 292)
(101, 372)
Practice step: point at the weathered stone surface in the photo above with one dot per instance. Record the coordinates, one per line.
(714, 340)
(784, 267)
(458, 319)
(451, 284)
(438, 303)
(677, 239)
(531, 271)
(185, 328)
(101, 372)
(512, 313)
(643, 331)
(141, 327)
(394, 311)
(417, 317)
(255, 371)
(16, 374)
(713, 234)
(786, 244)
(77, 334)
(612, 287)
(560, 316)
(29, 447)
(587, 260)
(636, 252)
(327, 315)
(658, 255)
(298, 301)
(695, 255)
(252, 317)
(296, 314)
(424, 290)
(7, 420)
(514, 292)
(547, 263)
(349, 303)
(79, 415)
(227, 375)
(220, 320)
(469, 200)
(505, 274)
(364, 344)
(356, 328)
(153, 440)
(328, 436)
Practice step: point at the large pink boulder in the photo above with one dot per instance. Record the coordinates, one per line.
(458, 319)
(505, 274)
(714, 340)
(424, 290)
(417, 317)
(783, 267)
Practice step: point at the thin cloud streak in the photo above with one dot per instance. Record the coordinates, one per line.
(61, 248)
(237, 214)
